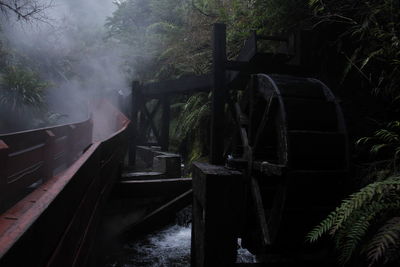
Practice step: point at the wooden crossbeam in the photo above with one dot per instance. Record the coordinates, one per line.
(186, 84)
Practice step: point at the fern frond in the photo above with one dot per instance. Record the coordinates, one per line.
(338, 217)
(364, 140)
(394, 125)
(376, 148)
(351, 237)
(364, 196)
(387, 236)
(348, 238)
(387, 136)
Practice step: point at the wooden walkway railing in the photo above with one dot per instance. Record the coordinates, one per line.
(32, 157)
(55, 224)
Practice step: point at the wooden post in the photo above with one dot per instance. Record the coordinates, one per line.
(71, 149)
(3, 174)
(165, 120)
(134, 121)
(217, 193)
(90, 132)
(48, 167)
(218, 94)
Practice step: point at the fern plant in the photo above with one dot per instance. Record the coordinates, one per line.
(369, 41)
(193, 126)
(22, 103)
(385, 143)
(359, 216)
(367, 223)
(21, 91)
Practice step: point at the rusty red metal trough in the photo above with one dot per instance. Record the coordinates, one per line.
(53, 183)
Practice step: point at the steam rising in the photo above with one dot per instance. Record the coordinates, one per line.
(70, 50)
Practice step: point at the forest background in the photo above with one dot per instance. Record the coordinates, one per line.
(356, 43)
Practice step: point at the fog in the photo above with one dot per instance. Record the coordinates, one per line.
(68, 47)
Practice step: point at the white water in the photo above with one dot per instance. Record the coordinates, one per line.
(167, 247)
(244, 256)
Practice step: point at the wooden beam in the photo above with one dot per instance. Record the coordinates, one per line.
(186, 84)
(218, 94)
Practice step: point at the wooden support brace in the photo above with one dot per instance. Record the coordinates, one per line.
(152, 125)
(155, 109)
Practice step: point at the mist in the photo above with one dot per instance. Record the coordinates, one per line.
(68, 47)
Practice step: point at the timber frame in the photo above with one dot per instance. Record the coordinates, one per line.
(289, 134)
(226, 75)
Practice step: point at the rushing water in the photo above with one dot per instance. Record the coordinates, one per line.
(167, 247)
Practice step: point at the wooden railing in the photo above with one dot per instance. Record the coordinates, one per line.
(56, 224)
(29, 158)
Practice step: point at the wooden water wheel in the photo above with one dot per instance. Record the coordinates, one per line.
(294, 150)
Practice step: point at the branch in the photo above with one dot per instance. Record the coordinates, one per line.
(25, 10)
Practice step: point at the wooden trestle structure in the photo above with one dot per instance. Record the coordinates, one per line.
(282, 170)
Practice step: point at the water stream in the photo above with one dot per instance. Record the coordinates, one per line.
(167, 247)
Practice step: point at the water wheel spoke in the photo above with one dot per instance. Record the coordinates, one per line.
(264, 120)
(260, 211)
